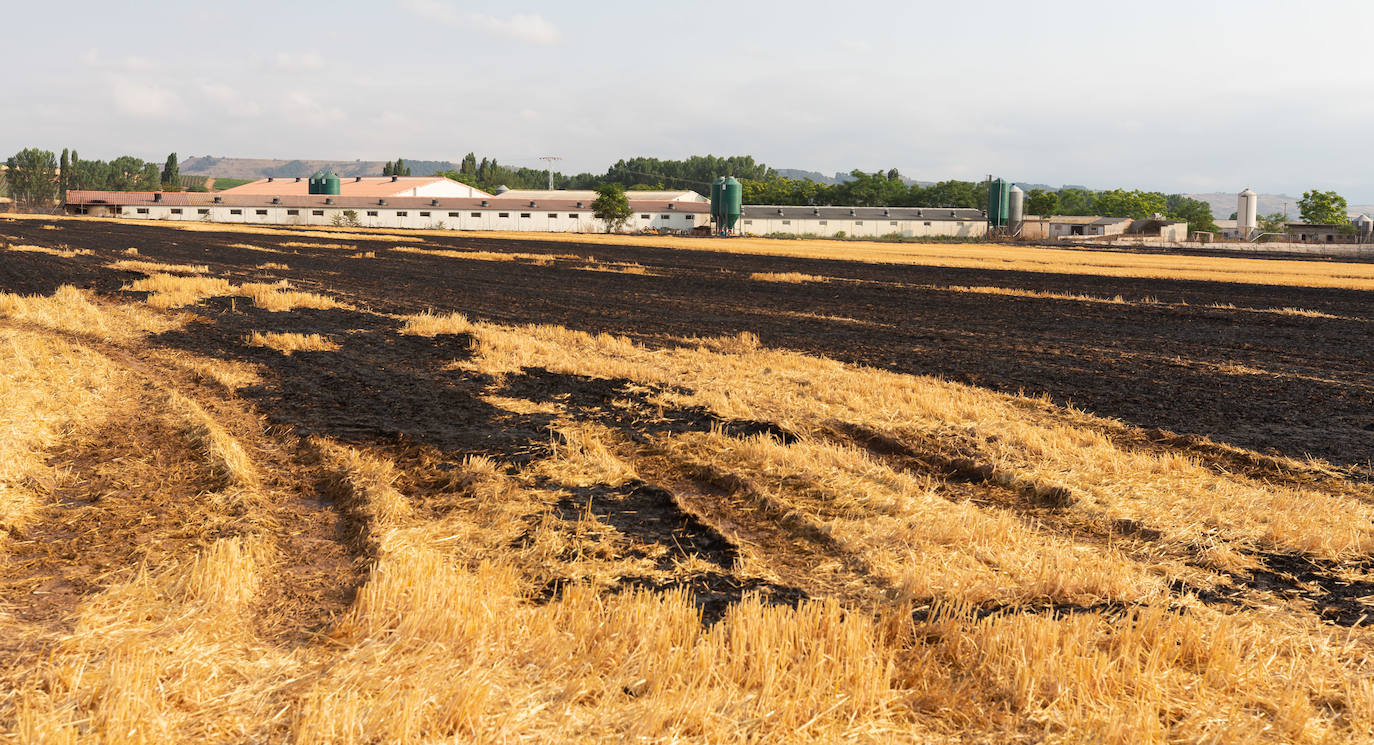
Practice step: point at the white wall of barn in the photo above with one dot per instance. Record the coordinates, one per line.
(529, 219)
(866, 228)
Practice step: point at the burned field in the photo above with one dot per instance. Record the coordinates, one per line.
(314, 486)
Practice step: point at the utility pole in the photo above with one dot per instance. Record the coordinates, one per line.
(549, 159)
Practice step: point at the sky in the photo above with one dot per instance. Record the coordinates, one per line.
(1172, 96)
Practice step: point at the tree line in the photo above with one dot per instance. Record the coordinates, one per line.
(38, 178)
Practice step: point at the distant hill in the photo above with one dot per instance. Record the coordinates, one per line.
(256, 168)
(840, 177)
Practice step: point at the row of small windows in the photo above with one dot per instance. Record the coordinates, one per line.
(404, 213)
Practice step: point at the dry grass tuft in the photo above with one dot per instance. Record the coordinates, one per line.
(170, 291)
(60, 251)
(615, 267)
(309, 244)
(278, 296)
(274, 265)
(537, 259)
(288, 343)
(130, 251)
(153, 267)
(431, 324)
(788, 277)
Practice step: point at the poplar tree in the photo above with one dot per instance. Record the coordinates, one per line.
(171, 174)
(64, 175)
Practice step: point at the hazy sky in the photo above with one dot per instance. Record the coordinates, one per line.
(1175, 96)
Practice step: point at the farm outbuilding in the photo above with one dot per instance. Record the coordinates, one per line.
(870, 222)
(436, 213)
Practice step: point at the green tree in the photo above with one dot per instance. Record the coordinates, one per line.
(77, 179)
(1274, 222)
(64, 174)
(1196, 213)
(399, 168)
(612, 206)
(149, 179)
(1042, 203)
(32, 177)
(1323, 208)
(1073, 201)
(1134, 204)
(171, 174)
(469, 165)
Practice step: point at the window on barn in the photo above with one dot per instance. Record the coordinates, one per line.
(553, 214)
(402, 213)
(748, 222)
(477, 214)
(858, 222)
(665, 217)
(927, 223)
(261, 212)
(142, 210)
(786, 222)
(822, 222)
(372, 213)
(893, 223)
(203, 211)
(236, 212)
(644, 217)
(176, 210)
(524, 214)
(688, 218)
(317, 213)
(453, 214)
(572, 216)
(503, 214)
(424, 214)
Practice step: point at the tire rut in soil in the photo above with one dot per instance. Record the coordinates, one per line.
(101, 521)
(626, 407)
(1283, 575)
(790, 545)
(314, 574)
(652, 516)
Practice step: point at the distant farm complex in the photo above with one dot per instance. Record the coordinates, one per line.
(438, 203)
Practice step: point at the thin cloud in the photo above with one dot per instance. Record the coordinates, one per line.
(526, 27)
(142, 100)
(298, 61)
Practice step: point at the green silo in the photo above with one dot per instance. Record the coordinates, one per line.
(325, 182)
(732, 201)
(999, 200)
(716, 212)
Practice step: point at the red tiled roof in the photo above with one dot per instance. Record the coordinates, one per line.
(317, 201)
(369, 186)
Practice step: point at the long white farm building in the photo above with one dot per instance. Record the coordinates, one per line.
(439, 203)
(435, 213)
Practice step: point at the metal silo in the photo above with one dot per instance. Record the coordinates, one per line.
(331, 183)
(316, 185)
(717, 213)
(1016, 207)
(1247, 213)
(732, 201)
(998, 196)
